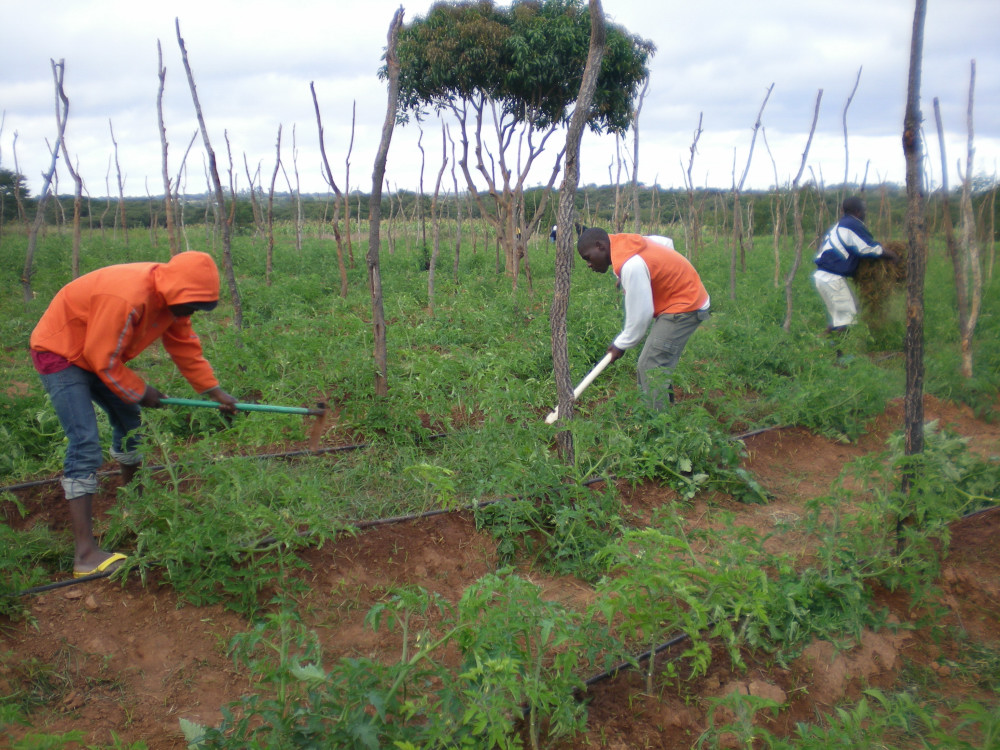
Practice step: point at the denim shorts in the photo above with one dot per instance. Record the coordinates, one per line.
(73, 393)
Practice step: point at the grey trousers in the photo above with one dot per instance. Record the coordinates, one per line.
(663, 348)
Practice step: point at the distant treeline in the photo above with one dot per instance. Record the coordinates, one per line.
(608, 206)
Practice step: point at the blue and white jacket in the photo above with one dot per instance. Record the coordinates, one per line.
(844, 245)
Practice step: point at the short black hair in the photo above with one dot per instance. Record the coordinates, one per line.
(853, 205)
(590, 237)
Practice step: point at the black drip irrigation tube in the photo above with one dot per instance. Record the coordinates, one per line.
(255, 456)
(304, 534)
(361, 525)
(308, 452)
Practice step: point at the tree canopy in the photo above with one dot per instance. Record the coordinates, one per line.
(8, 182)
(527, 59)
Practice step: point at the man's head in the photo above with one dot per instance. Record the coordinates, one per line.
(854, 206)
(189, 281)
(594, 247)
(189, 308)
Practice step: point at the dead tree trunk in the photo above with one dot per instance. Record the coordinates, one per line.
(420, 195)
(347, 188)
(328, 176)
(18, 198)
(232, 180)
(693, 223)
(179, 200)
(121, 186)
(62, 113)
(637, 218)
(969, 245)
(297, 193)
(458, 211)
(618, 218)
(375, 207)
(77, 180)
(565, 235)
(269, 262)
(777, 213)
(168, 204)
(256, 196)
(107, 192)
(992, 232)
(220, 199)
(797, 220)
(916, 259)
(737, 211)
(951, 244)
(390, 234)
(842, 195)
(436, 223)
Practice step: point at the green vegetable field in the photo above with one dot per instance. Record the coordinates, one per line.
(428, 573)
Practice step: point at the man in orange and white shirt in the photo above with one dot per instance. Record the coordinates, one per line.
(92, 328)
(661, 287)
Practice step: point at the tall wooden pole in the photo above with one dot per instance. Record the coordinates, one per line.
(916, 259)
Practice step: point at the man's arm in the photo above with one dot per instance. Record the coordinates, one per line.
(638, 304)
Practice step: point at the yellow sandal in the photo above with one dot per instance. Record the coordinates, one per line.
(108, 566)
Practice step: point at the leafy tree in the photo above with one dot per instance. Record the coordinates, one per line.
(10, 184)
(515, 72)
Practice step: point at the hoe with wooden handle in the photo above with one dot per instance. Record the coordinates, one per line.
(598, 369)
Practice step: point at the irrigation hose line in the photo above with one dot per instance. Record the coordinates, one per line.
(361, 524)
(268, 540)
(317, 452)
(591, 681)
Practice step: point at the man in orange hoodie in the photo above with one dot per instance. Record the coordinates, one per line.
(91, 329)
(661, 287)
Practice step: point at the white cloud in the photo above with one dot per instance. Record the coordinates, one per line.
(253, 62)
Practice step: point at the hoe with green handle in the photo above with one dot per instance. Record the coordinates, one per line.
(321, 412)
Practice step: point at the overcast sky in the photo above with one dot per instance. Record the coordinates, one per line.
(253, 62)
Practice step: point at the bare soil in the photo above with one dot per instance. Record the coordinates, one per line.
(132, 660)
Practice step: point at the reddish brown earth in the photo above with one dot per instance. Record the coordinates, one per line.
(132, 660)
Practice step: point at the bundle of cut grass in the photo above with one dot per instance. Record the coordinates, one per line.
(876, 280)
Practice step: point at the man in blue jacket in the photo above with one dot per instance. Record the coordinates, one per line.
(847, 242)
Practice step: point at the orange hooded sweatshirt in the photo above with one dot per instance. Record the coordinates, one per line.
(677, 288)
(107, 317)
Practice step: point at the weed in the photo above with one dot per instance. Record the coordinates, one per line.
(657, 586)
(742, 730)
(26, 557)
(684, 447)
(519, 648)
(563, 531)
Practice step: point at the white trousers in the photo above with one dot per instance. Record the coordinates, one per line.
(841, 307)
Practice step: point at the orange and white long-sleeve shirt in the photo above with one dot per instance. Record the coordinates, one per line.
(656, 280)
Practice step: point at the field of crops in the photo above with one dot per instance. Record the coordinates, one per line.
(727, 573)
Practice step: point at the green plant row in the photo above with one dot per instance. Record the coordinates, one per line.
(522, 658)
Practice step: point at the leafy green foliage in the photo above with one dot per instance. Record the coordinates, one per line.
(22, 558)
(221, 527)
(563, 532)
(26, 435)
(684, 448)
(527, 58)
(539, 646)
(516, 649)
(898, 538)
(658, 587)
